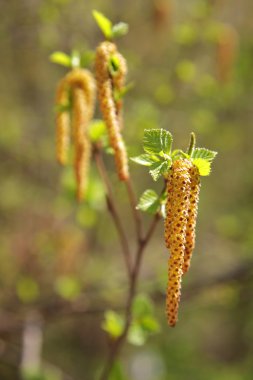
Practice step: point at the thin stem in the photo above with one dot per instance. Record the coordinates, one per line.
(113, 209)
(133, 204)
(117, 344)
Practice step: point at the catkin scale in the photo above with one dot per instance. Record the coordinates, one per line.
(192, 216)
(177, 206)
(62, 123)
(109, 108)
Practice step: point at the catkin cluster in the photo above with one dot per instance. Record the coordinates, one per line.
(80, 84)
(181, 210)
(108, 85)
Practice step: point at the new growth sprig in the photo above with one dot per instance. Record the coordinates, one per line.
(178, 203)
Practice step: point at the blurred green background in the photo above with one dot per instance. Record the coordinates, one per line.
(61, 265)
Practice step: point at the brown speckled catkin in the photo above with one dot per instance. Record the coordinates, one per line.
(62, 123)
(192, 216)
(108, 107)
(177, 210)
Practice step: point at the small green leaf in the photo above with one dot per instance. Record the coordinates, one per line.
(159, 169)
(113, 324)
(104, 24)
(136, 335)
(119, 30)
(60, 58)
(150, 324)
(156, 141)
(67, 287)
(206, 154)
(142, 306)
(149, 201)
(113, 65)
(119, 94)
(97, 130)
(186, 71)
(145, 159)
(75, 59)
(203, 165)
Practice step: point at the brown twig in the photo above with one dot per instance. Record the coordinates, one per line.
(133, 204)
(112, 208)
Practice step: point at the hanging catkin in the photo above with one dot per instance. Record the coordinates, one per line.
(108, 106)
(192, 216)
(62, 123)
(178, 199)
(118, 80)
(82, 86)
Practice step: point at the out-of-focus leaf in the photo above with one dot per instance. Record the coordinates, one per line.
(104, 24)
(142, 306)
(87, 58)
(145, 159)
(27, 289)
(113, 65)
(136, 335)
(67, 287)
(97, 129)
(113, 323)
(75, 59)
(120, 29)
(61, 58)
(186, 71)
(150, 324)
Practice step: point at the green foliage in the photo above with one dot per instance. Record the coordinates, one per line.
(119, 30)
(159, 168)
(113, 323)
(119, 94)
(104, 24)
(204, 153)
(149, 202)
(61, 58)
(157, 141)
(97, 130)
(203, 165)
(145, 159)
(186, 71)
(114, 65)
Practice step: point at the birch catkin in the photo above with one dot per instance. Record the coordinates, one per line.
(192, 216)
(108, 106)
(177, 208)
(62, 123)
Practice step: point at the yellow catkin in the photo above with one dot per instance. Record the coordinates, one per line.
(108, 107)
(192, 216)
(62, 123)
(119, 81)
(179, 183)
(82, 87)
(226, 52)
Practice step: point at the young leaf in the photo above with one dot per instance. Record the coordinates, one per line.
(120, 29)
(97, 129)
(113, 324)
(87, 58)
(75, 59)
(104, 24)
(158, 169)
(149, 201)
(119, 94)
(203, 165)
(61, 58)
(136, 335)
(113, 65)
(206, 154)
(156, 141)
(145, 159)
(142, 306)
(150, 324)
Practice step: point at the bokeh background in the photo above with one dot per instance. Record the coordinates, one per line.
(61, 265)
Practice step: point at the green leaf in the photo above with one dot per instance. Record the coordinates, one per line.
(159, 168)
(97, 130)
(113, 323)
(61, 58)
(119, 30)
(136, 335)
(150, 324)
(27, 289)
(206, 154)
(186, 71)
(142, 306)
(156, 141)
(149, 202)
(75, 59)
(203, 165)
(113, 65)
(145, 159)
(104, 24)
